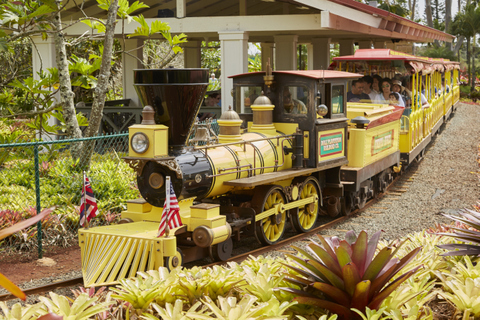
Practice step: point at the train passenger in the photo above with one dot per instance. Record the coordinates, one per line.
(398, 88)
(376, 83)
(356, 94)
(385, 95)
(395, 99)
(408, 90)
(292, 105)
(369, 90)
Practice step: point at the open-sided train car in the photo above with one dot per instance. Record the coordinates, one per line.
(437, 79)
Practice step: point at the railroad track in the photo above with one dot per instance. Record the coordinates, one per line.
(399, 186)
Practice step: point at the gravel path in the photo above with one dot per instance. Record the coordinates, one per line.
(445, 181)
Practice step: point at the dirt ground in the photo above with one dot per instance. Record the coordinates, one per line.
(21, 268)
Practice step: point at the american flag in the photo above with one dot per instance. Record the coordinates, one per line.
(171, 210)
(88, 203)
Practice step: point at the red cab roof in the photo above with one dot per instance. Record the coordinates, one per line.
(314, 74)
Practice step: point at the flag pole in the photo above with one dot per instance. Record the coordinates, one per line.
(85, 201)
(167, 204)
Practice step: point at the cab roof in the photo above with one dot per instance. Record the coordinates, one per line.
(313, 74)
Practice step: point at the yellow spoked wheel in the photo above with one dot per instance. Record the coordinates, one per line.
(270, 229)
(174, 261)
(307, 215)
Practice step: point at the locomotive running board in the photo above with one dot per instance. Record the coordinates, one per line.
(112, 253)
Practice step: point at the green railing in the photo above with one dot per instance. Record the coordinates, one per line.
(38, 175)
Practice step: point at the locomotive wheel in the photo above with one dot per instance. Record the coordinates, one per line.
(222, 251)
(172, 262)
(363, 199)
(347, 204)
(307, 215)
(270, 229)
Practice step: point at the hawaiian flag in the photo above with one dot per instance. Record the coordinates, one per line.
(88, 203)
(171, 210)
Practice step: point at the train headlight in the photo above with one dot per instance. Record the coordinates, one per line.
(139, 142)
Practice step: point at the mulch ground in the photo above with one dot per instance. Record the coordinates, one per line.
(23, 267)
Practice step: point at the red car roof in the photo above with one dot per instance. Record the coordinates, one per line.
(314, 74)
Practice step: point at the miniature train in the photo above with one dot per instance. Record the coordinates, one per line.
(290, 151)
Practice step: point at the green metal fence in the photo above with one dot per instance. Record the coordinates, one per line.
(39, 175)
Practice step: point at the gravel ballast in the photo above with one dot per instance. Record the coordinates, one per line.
(445, 181)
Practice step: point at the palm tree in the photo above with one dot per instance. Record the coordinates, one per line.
(467, 24)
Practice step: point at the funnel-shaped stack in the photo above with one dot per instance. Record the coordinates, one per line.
(175, 95)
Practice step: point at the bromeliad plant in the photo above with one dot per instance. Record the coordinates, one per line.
(470, 234)
(341, 275)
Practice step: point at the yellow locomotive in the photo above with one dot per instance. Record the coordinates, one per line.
(289, 151)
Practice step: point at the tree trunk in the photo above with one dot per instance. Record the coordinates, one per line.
(469, 61)
(473, 75)
(101, 89)
(448, 19)
(66, 93)
(458, 45)
(428, 12)
(412, 10)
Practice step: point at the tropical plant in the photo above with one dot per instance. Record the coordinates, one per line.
(175, 312)
(17, 312)
(341, 275)
(82, 308)
(469, 218)
(139, 292)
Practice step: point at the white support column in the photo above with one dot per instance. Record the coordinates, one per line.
(192, 54)
(319, 54)
(365, 44)
(286, 52)
(267, 53)
(181, 8)
(44, 57)
(379, 45)
(346, 47)
(130, 63)
(234, 46)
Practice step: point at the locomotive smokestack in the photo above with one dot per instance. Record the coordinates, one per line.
(175, 95)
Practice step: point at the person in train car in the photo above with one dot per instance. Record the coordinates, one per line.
(395, 99)
(386, 86)
(356, 93)
(292, 105)
(376, 83)
(369, 90)
(408, 90)
(398, 88)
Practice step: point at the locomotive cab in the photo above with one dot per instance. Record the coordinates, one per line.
(312, 101)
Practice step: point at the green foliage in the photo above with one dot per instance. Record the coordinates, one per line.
(434, 51)
(469, 234)
(211, 56)
(340, 275)
(398, 7)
